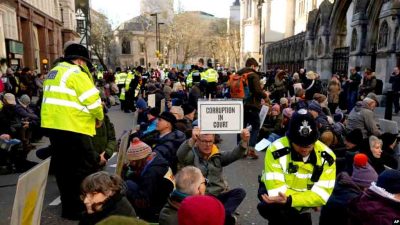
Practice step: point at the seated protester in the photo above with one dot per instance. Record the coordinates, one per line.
(272, 122)
(201, 210)
(24, 111)
(188, 181)
(374, 152)
(283, 103)
(201, 152)
(352, 146)
(316, 111)
(182, 123)
(122, 220)
(151, 124)
(286, 115)
(141, 105)
(10, 123)
(299, 100)
(339, 128)
(380, 204)
(390, 142)
(178, 91)
(322, 100)
(168, 139)
(347, 188)
(148, 190)
(104, 195)
(105, 142)
(189, 115)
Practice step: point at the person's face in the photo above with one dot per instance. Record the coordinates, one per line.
(190, 116)
(303, 151)
(396, 70)
(353, 71)
(301, 70)
(205, 144)
(203, 186)
(372, 105)
(376, 150)
(94, 201)
(162, 124)
(349, 145)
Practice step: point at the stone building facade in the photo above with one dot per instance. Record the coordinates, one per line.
(345, 34)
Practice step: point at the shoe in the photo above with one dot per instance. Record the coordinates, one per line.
(251, 153)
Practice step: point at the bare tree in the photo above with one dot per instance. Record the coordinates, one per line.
(101, 37)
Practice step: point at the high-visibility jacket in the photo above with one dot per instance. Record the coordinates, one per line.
(71, 102)
(120, 78)
(127, 82)
(189, 78)
(293, 177)
(100, 75)
(210, 75)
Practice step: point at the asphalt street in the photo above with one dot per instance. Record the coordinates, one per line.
(242, 173)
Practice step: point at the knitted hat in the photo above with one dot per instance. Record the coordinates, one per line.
(360, 160)
(137, 150)
(201, 210)
(373, 96)
(169, 117)
(364, 176)
(9, 99)
(276, 107)
(288, 112)
(302, 128)
(24, 100)
(355, 137)
(187, 109)
(284, 101)
(315, 107)
(390, 181)
(141, 103)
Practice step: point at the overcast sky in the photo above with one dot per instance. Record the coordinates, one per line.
(119, 11)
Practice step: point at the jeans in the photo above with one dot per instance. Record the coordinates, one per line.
(252, 117)
(351, 100)
(231, 201)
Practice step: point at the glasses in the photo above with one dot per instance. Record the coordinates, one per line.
(204, 142)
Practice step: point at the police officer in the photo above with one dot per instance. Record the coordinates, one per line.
(211, 76)
(71, 111)
(194, 77)
(299, 174)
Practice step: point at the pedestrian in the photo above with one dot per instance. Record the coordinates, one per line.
(299, 174)
(71, 111)
(353, 84)
(395, 81)
(201, 210)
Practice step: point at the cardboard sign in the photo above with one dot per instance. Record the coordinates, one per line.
(123, 147)
(28, 201)
(263, 114)
(220, 117)
(162, 105)
(151, 100)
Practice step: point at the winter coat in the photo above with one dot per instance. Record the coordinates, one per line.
(311, 90)
(153, 189)
(356, 81)
(335, 210)
(117, 205)
(9, 121)
(169, 214)
(395, 81)
(168, 145)
(334, 91)
(361, 117)
(368, 86)
(27, 113)
(376, 163)
(185, 125)
(373, 208)
(212, 167)
(255, 91)
(105, 140)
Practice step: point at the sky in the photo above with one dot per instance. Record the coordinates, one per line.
(119, 11)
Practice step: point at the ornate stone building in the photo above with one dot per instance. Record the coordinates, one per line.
(345, 34)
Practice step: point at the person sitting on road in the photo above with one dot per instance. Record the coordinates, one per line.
(374, 152)
(188, 181)
(104, 195)
(148, 190)
(201, 152)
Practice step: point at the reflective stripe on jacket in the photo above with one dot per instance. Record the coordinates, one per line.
(71, 102)
(277, 176)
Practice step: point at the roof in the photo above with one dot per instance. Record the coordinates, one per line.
(137, 24)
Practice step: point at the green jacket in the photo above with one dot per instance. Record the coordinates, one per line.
(105, 140)
(211, 168)
(280, 176)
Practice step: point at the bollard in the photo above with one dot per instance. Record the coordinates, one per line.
(389, 105)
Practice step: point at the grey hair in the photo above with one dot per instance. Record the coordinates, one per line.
(373, 139)
(188, 179)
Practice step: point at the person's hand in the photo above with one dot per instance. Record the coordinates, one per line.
(103, 159)
(5, 137)
(245, 135)
(280, 199)
(195, 136)
(99, 123)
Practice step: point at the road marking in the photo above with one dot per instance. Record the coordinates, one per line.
(56, 201)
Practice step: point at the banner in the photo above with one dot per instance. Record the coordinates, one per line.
(29, 196)
(220, 117)
(151, 100)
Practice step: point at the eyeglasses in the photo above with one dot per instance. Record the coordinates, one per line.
(204, 142)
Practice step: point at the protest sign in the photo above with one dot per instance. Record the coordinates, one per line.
(220, 117)
(162, 105)
(263, 114)
(29, 196)
(123, 146)
(151, 99)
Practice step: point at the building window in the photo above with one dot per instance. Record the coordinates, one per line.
(141, 47)
(126, 46)
(354, 40)
(142, 61)
(80, 24)
(383, 35)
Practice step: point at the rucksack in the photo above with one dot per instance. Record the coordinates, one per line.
(379, 87)
(237, 85)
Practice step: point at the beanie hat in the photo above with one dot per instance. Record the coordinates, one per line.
(187, 109)
(364, 175)
(154, 112)
(276, 107)
(169, 117)
(315, 107)
(121, 220)
(338, 117)
(9, 99)
(141, 103)
(284, 101)
(288, 112)
(194, 208)
(390, 181)
(24, 100)
(373, 96)
(355, 137)
(302, 128)
(360, 160)
(137, 150)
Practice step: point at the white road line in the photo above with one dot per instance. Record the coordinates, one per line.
(56, 201)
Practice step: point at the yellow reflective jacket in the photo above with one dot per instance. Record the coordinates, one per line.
(210, 75)
(71, 102)
(293, 177)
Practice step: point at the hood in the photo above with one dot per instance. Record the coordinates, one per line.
(246, 70)
(159, 161)
(361, 105)
(343, 179)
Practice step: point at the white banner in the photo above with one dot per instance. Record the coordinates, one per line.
(220, 117)
(29, 196)
(151, 100)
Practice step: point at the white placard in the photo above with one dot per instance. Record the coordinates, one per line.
(262, 145)
(220, 117)
(263, 114)
(162, 105)
(151, 100)
(28, 201)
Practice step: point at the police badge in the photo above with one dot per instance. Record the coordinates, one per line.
(305, 129)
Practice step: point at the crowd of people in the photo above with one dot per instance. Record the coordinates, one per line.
(327, 151)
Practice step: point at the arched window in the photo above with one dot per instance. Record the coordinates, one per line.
(354, 40)
(383, 35)
(126, 46)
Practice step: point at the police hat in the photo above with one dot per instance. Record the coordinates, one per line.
(77, 51)
(302, 128)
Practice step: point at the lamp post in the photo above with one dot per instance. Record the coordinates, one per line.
(156, 15)
(159, 35)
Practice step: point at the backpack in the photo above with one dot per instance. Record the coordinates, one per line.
(379, 87)
(237, 86)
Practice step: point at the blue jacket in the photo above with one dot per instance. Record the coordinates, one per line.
(167, 146)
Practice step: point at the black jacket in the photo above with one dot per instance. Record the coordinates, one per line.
(395, 81)
(168, 145)
(253, 101)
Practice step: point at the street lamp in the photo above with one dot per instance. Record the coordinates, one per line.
(156, 15)
(159, 35)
